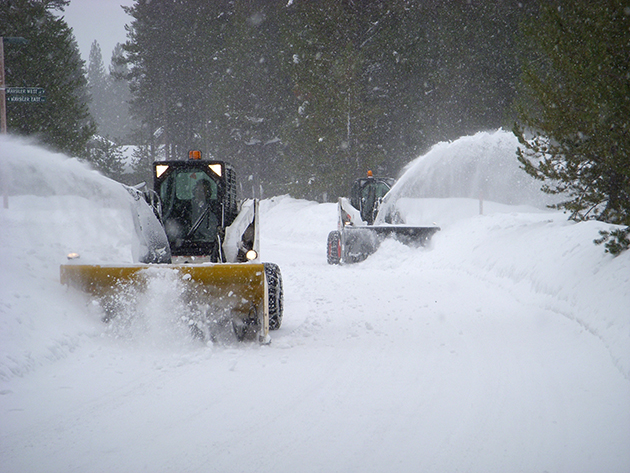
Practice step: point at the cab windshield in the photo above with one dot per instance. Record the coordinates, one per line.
(190, 207)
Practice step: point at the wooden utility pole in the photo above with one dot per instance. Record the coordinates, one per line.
(3, 121)
(3, 95)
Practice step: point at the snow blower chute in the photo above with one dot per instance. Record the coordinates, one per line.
(357, 236)
(192, 225)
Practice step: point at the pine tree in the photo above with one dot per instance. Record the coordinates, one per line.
(378, 82)
(118, 123)
(173, 75)
(103, 153)
(250, 98)
(50, 60)
(98, 85)
(472, 65)
(575, 103)
(334, 53)
(110, 94)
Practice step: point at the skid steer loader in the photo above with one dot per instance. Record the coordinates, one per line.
(191, 224)
(357, 236)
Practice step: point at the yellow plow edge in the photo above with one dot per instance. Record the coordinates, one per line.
(242, 286)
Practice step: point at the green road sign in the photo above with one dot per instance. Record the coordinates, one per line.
(25, 91)
(26, 98)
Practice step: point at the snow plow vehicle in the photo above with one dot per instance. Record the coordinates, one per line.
(360, 228)
(191, 226)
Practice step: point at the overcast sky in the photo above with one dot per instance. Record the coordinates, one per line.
(100, 20)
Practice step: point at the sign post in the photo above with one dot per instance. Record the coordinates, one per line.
(3, 104)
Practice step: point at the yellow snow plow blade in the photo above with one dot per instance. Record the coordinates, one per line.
(239, 288)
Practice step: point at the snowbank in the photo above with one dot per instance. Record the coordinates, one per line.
(494, 221)
(546, 261)
(56, 205)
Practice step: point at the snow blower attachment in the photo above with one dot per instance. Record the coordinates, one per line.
(357, 236)
(192, 226)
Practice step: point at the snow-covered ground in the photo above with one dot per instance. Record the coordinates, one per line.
(505, 346)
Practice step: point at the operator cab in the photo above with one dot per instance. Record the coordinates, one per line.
(197, 204)
(366, 194)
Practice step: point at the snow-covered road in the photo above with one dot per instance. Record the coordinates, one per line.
(503, 347)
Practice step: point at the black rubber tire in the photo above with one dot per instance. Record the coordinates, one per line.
(276, 296)
(334, 248)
